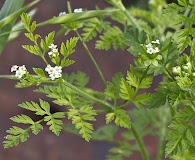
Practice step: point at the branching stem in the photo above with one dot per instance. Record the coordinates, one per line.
(91, 57)
(87, 96)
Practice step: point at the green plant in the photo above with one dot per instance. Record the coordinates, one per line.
(158, 45)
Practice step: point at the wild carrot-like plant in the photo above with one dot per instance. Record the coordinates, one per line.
(161, 40)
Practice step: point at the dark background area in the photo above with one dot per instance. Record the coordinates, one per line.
(47, 146)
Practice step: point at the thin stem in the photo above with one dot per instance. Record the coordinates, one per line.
(8, 77)
(140, 143)
(87, 96)
(92, 58)
(170, 75)
(119, 5)
(163, 132)
(132, 20)
(43, 58)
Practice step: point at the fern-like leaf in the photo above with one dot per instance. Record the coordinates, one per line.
(92, 27)
(113, 88)
(112, 37)
(16, 134)
(182, 133)
(54, 123)
(80, 118)
(121, 118)
(127, 92)
(22, 119)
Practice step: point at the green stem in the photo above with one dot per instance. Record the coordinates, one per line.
(132, 20)
(88, 96)
(163, 132)
(8, 77)
(140, 143)
(170, 75)
(119, 5)
(91, 57)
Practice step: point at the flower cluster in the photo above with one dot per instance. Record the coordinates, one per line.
(54, 72)
(77, 10)
(151, 48)
(20, 70)
(54, 50)
(184, 70)
(62, 13)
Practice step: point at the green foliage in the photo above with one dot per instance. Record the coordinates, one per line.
(80, 118)
(112, 88)
(130, 87)
(121, 118)
(134, 39)
(92, 27)
(181, 136)
(182, 21)
(66, 50)
(16, 135)
(53, 120)
(111, 38)
(105, 133)
(117, 153)
(156, 37)
(10, 11)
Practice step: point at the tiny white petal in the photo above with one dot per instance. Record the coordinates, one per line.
(55, 50)
(78, 10)
(156, 41)
(62, 13)
(53, 46)
(14, 68)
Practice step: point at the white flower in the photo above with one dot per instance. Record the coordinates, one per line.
(49, 69)
(50, 53)
(78, 10)
(53, 46)
(62, 13)
(156, 50)
(54, 72)
(176, 69)
(20, 70)
(187, 66)
(150, 48)
(14, 68)
(55, 50)
(156, 41)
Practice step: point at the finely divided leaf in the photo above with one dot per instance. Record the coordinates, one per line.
(55, 125)
(36, 128)
(91, 28)
(16, 135)
(68, 48)
(127, 92)
(80, 118)
(22, 119)
(182, 133)
(113, 88)
(121, 118)
(112, 37)
(39, 110)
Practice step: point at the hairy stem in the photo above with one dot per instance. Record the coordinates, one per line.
(92, 58)
(140, 143)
